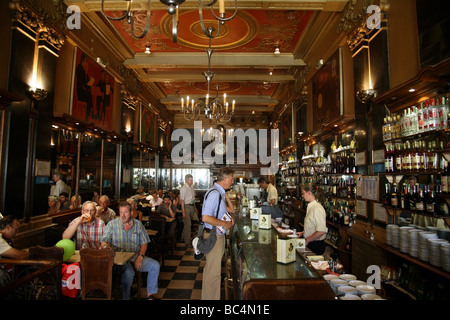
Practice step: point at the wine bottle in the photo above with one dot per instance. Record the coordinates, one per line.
(412, 198)
(445, 177)
(394, 197)
(431, 203)
(420, 205)
(441, 203)
(387, 196)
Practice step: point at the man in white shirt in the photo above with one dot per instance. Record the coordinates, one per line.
(272, 193)
(187, 202)
(60, 186)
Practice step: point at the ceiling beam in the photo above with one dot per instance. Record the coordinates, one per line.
(161, 76)
(218, 60)
(113, 5)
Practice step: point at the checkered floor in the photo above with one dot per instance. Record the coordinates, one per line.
(181, 276)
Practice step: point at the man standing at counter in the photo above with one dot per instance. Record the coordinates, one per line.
(272, 193)
(213, 198)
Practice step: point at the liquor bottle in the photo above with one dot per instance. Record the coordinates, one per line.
(398, 157)
(420, 118)
(432, 115)
(420, 205)
(404, 199)
(445, 177)
(395, 197)
(408, 157)
(443, 208)
(424, 157)
(412, 198)
(416, 156)
(425, 116)
(387, 196)
(431, 204)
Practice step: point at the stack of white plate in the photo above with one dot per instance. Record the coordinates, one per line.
(329, 277)
(350, 297)
(335, 283)
(370, 296)
(404, 239)
(434, 249)
(347, 277)
(413, 236)
(365, 289)
(393, 231)
(423, 244)
(356, 283)
(445, 256)
(389, 228)
(347, 290)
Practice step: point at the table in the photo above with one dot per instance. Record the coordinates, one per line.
(120, 258)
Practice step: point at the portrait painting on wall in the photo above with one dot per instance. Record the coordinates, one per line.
(148, 133)
(93, 89)
(326, 92)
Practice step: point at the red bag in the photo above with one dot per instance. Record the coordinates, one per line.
(71, 279)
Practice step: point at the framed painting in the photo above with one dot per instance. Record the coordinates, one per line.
(93, 89)
(327, 92)
(148, 128)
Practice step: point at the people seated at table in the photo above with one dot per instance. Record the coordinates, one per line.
(96, 197)
(75, 202)
(136, 241)
(135, 213)
(167, 209)
(53, 204)
(64, 203)
(103, 211)
(153, 199)
(86, 230)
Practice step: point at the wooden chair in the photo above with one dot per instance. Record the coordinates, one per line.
(96, 273)
(158, 243)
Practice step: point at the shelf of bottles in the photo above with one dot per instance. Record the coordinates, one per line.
(289, 173)
(418, 143)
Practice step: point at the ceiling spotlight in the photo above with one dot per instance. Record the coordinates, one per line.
(147, 49)
(277, 50)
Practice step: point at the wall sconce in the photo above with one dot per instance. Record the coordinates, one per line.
(37, 94)
(147, 49)
(365, 96)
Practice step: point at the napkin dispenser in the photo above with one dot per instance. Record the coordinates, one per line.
(286, 250)
(254, 213)
(265, 221)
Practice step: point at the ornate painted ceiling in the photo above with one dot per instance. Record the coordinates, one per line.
(246, 67)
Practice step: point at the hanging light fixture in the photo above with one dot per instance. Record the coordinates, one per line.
(128, 14)
(212, 108)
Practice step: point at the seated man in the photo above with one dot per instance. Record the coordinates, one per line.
(129, 235)
(153, 199)
(9, 226)
(64, 203)
(103, 211)
(86, 229)
(167, 209)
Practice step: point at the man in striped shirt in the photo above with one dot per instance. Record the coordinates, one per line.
(129, 235)
(87, 229)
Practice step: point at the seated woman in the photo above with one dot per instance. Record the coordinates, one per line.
(53, 204)
(153, 199)
(135, 213)
(75, 202)
(96, 197)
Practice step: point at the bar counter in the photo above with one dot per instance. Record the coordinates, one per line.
(256, 274)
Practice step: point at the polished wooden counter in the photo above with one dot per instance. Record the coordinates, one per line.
(256, 274)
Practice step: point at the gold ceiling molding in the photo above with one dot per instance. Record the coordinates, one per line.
(130, 81)
(354, 20)
(32, 22)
